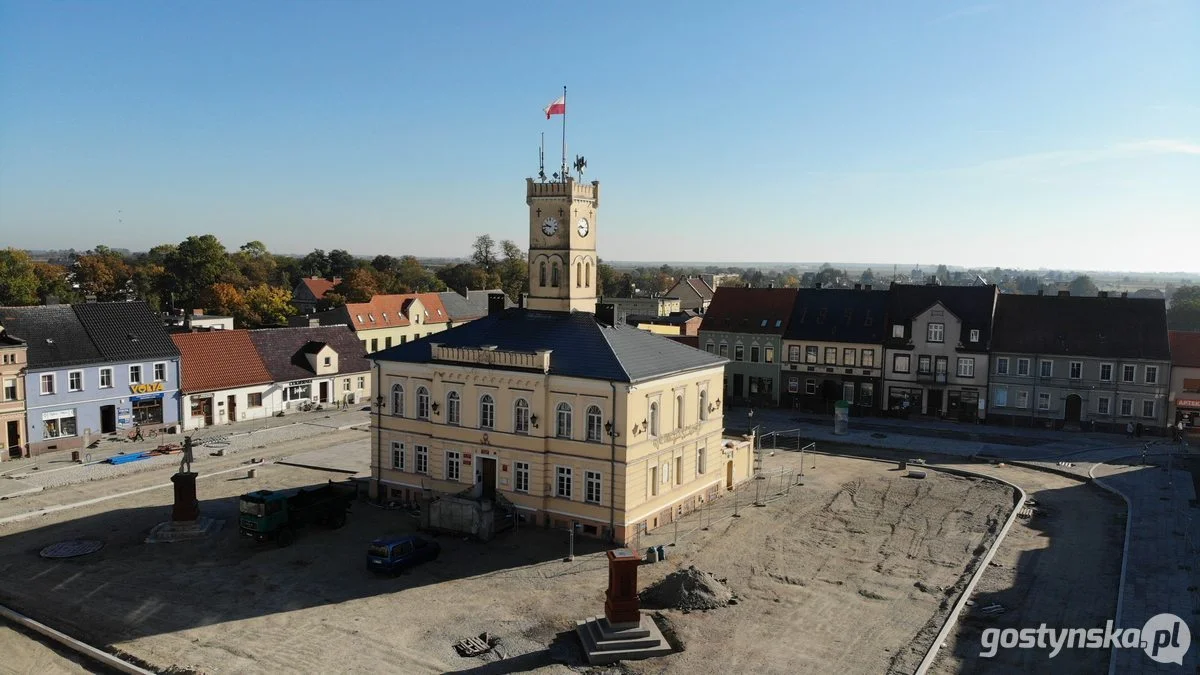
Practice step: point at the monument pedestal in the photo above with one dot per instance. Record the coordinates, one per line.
(186, 507)
(623, 633)
(185, 522)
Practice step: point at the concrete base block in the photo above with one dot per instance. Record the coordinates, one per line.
(605, 643)
(172, 530)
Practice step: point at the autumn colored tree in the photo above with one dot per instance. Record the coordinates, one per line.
(360, 285)
(266, 306)
(102, 273)
(18, 278)
(53, 286)
(224, 299)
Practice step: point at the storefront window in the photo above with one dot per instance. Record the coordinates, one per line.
(297, 391)
(148, 411)
(58, 424)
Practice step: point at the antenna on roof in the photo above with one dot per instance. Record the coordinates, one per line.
(542, 159)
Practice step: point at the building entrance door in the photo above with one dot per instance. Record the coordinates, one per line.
(739, 389)
(14, 440)
(231, 405)
(729, 475)
(487, 476)
(1073, 410)
(935, 402)
(108, 419)
(324, 389)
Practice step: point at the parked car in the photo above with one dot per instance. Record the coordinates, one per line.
(391, 555)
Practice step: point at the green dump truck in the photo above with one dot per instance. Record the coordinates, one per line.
(277, 514)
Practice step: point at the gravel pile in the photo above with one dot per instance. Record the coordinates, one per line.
(689, 589)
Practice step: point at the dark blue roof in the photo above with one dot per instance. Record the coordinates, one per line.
(839, 315)
(580, 345)
(54, 333)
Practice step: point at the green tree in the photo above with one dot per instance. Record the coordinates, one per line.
(607, 282)
(149, 280)
(267, 306)
(1184, 312)
(18, 278)
(868, 277)
(315, 264)
(102, 273)
(359, 285)
(1083, 286)
(341, 263)
(193, 267)
(467, 276)
(53, 286)
(385, 263)
(255, 264)
(483, 253)
(513, 270)
(414, 277)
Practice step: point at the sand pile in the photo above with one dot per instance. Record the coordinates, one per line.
(688, 589)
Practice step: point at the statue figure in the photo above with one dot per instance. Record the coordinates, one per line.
(185, 464)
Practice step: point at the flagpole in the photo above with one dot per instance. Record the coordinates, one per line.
(564, 135)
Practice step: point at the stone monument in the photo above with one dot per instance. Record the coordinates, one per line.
(186, 521)
(623, 633)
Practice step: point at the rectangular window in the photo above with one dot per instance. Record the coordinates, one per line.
(346, 384)
(591, 484)
(403, 339)
(75, 380)
(387, 342)
(678, 470)
(1043, 401)
(254, 400)
(966, 367)
(848, 392)
(362, 382)
(1023, 367)
(710, 348)
(58, 424)
(810, 354)
(901, 363)
(1126, 407)
(1076, 370)
(793, 385)
(769, 354)
(866, 394)
(936, 332)
(794, 353)
(562, 482)
(653, 480)
(701, 459)
(47, 381)
(1106, 372)
(1147, 408)
(397, 455)
(810, 387)
(849, 356)
(10, 389)
(374, 344)
(421, 457)
(135, 374)
(898, 330)
(453, 465)
(160, 372)
(974, 335)
(1047, 368)
(868, 358)
(106, 378)
(1103, 405)
(739, 353)
(1001, 397)
(924, 364)
(1002, 366)
(1151, 374)
(724, 350)
(1022, 399)
(1128, 373)
(521, 476)
(830, 355)
(754, 354)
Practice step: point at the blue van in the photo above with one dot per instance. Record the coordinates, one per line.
(390, 555)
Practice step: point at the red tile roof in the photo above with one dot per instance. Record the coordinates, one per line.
(219, 359)
(1185, 348)
(749, 310)
(388, 311)
(318, 287)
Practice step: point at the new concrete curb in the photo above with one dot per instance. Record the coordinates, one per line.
(1112, 659)
(956, 611)
(71, 643)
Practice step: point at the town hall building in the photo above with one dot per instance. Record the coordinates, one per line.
(555, 412)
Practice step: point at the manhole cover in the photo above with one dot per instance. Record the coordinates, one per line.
(72, 549)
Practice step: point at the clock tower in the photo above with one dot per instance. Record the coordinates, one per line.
(562, 244)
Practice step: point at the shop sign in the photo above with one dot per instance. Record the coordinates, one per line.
(1188, 402)
(145, 388)
(58, 414)
(466, 458)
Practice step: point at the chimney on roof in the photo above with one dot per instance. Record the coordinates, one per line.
(1064, 294)
(1124, 294)
(495, 303)
(606, 313)
(858, 287)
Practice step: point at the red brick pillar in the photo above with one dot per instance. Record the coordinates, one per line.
(621, 605)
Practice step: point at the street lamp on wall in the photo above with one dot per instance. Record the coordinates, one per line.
(533, 419)
(610, 430)
(435, 407)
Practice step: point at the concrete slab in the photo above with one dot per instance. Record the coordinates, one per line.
(348, 458)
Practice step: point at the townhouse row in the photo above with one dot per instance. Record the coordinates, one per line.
(960, 352)
(73, 374)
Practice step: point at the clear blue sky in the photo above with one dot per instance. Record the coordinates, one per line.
(1059, 134)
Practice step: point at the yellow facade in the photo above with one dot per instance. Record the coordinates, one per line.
(13, 360)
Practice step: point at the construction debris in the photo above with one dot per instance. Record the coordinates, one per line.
(474, 646)
(688, 589)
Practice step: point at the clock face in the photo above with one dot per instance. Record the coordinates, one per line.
(550, 226)
(583, 227)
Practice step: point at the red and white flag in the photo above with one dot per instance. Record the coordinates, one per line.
(558, 107)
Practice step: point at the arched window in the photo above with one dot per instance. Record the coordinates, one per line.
(521, 417)
(587, 273)
(423, 403)
(578, 274)
(654, 419)
(594, 423)
(562, 427)
(554, 275)
(542, 273)
(398, 400)
(453, 408)
(679, 411)
(704, 404)
(487, 412)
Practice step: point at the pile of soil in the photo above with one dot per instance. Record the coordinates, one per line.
(688, 589)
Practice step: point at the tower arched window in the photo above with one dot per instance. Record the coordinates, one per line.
(578, 274)
(542, 273)
(398, 400)
(654, 419)
(521, 416)
(554, 275)
(487, 412)
(587, 273)
(562, 427)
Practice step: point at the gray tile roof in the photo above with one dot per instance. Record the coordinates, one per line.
(53, 333)
(126, 331)
(580, 345)
(839, 315)
(283, 349)
(1117, 328)
(459, 308)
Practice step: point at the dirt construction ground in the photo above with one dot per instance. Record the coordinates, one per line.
(825, 575)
